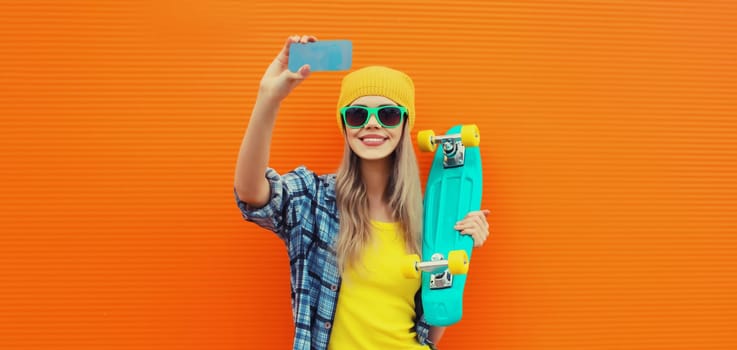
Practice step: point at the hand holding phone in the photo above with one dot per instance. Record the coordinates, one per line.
(326, 55)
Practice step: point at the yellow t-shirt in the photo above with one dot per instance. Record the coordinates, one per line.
(376, 306)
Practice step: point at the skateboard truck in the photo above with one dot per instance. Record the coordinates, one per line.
(453, 150)
(442, 279)
(441, 270)
(454, 145)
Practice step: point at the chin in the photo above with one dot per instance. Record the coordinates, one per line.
(372, 155)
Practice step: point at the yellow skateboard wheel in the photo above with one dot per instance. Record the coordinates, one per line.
(470, 135)
(458, 262)
(425, 140)
(409, 266)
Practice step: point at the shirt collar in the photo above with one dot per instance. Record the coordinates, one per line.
(330, 190)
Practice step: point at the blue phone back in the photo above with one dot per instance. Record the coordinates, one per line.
(327, 55)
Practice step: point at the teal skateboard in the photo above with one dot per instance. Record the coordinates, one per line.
(453, 189)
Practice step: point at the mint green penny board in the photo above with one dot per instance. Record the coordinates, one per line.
(453, 189)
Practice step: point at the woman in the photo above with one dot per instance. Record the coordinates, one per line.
(347, 232)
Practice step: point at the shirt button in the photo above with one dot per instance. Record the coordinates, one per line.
(333, 288)
(327, 324)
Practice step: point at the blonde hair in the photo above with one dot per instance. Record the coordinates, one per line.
(403, 194)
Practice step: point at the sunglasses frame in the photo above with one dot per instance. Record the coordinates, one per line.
(375, 112)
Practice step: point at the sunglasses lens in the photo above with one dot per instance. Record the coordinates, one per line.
(390, 116)
(355, 116)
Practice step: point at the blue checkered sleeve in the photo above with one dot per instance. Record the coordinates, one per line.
(422, 328)
(288, 193)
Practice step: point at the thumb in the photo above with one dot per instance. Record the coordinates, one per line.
(304, 71)
(301, 74)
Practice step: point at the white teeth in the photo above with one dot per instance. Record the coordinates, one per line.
(373, 140)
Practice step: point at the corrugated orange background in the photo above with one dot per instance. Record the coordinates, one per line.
(608, 134)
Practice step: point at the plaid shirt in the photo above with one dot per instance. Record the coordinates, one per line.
(303, 213)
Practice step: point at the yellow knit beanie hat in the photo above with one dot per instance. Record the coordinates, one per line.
(382, 81)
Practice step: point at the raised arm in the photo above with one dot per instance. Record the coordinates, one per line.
(253, 158)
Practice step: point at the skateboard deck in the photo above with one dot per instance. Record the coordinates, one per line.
(453, 189)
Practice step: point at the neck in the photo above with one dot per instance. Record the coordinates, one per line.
(375, 175)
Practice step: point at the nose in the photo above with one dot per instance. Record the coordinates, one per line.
(373, 121)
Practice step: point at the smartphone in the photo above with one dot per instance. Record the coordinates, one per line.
(324, 55)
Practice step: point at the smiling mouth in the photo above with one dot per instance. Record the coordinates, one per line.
(373, 140)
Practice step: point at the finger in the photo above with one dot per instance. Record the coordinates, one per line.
(304, 71)
(473, 223)
(483, 236)
(465, 220)
(481, 214)
(284, 54)
(303, 39)
(484, 224)
(460, 225)
(291, 40)
(301, 74)
(471, 214)
(311, 38)
(479, 235)
(479, 220)
(472, 218)
(475, 214)
(477, 240)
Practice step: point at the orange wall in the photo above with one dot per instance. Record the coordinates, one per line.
(608, 136)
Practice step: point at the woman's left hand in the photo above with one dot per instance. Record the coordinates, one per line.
(476, 226)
